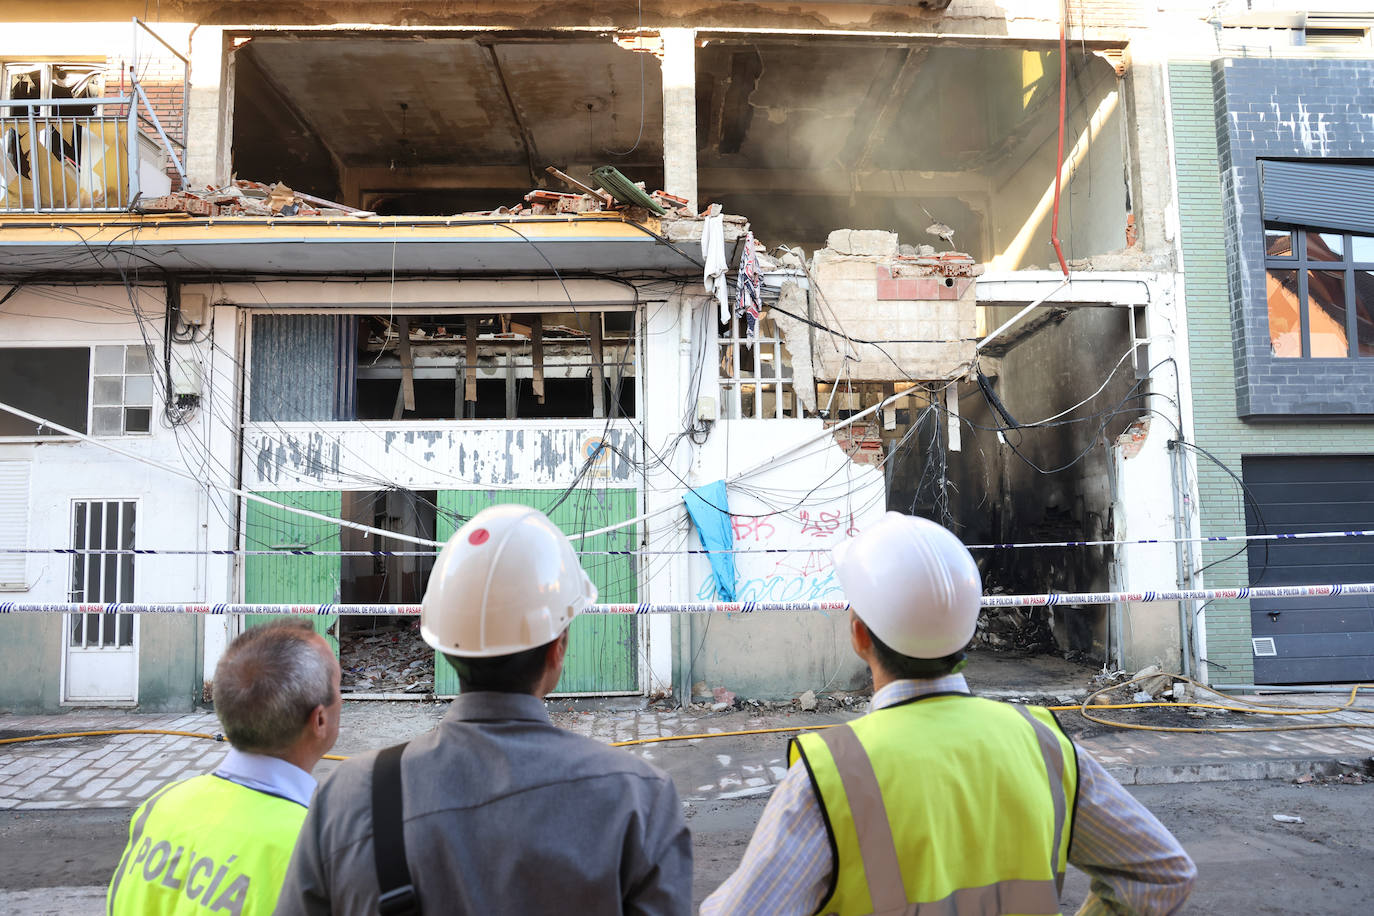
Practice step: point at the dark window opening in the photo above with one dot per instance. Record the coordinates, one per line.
(49, 382)
(384, 653)
(497, 366)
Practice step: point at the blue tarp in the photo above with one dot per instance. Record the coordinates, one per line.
(709, 508)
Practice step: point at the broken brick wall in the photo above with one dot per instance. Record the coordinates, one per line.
(918, 306)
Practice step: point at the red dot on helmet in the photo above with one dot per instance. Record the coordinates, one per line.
(480, 536)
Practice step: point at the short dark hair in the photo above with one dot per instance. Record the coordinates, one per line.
(905, 667)
(268, 682)
(516, 673)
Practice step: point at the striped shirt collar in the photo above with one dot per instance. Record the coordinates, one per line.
(900, 691)
(271, 775)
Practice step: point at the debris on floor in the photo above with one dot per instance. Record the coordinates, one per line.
(1019, 629)
(254, 198)
(386, 658)
(246, 198)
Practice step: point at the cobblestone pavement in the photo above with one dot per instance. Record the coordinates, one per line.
(119, 771)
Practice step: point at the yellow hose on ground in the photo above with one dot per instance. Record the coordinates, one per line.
(1247, 706)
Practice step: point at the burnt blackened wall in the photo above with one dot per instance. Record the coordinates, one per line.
(1053, 482)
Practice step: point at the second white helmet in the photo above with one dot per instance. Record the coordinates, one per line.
(507, 581)
(914, 585)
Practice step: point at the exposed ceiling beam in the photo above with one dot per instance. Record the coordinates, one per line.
(532, 159)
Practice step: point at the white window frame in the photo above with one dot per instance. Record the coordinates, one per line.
(91, 406)
(7, 67)
(772, 368)
(96, 540)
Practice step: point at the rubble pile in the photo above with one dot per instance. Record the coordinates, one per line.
(388, 658)
(245, 198)
(1015, 629)
(254, 198)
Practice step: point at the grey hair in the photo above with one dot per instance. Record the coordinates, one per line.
(268, 682)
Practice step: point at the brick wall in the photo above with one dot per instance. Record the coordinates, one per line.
(1204, 219)
(162, 80)
(1270, 109)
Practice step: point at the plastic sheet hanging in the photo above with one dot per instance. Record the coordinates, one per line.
(708, 507)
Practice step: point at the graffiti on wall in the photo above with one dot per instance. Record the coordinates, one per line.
(805, 573)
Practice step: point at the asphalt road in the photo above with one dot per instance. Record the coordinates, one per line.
(55, 861)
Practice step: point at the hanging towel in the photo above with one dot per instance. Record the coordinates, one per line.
(750, 299)
(709, 510)
(713, 254)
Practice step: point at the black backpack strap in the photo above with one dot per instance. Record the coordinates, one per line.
(396, 892)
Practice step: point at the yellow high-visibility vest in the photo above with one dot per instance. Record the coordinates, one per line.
(205, 845)
(945, 804)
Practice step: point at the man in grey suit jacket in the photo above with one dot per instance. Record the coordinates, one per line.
(503, 812)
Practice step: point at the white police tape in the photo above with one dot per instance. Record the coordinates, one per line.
(306, 552)
(707, 607)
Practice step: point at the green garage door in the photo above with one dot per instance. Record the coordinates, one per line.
(293, 579)
(602, 649)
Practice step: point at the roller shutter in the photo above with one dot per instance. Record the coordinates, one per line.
(1322, 639)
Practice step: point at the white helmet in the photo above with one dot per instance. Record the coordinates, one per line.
(913, 584)
(506, 581)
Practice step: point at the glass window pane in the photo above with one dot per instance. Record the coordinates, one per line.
(107, 421)
(92, 630)
(137, 419)
(1324, 246)
(138, 390)
(78, 626)
(1285, 332)
(1278, 243)
(1362, 248)
(1326, 313)
(109, 360)
(136, 360)
(126, 629)
(109, 390)
(1364, 312)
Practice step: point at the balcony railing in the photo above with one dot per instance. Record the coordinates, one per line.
(88, 154)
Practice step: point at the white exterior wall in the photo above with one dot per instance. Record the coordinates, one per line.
(173, 513)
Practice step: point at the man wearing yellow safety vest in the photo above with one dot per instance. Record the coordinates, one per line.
(220, 842)
(938, 801)
(496, 810)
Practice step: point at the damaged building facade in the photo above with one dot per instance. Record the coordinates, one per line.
(405, 315)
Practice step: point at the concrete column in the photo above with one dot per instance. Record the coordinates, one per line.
(211, 115)
(680, 113)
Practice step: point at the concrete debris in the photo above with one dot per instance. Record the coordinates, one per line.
(807, 701)
(1156, 685)
(1141, 696)
(253, 198)
(389, 659)
(722, 695)
(1288, 819)
(245, 198)
(874, 242)
(1015, 629)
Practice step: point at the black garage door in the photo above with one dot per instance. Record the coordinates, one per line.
(1311, 640)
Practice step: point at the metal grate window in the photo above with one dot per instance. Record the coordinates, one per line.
(99, 578)
(755, 375)
(1319, 289)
